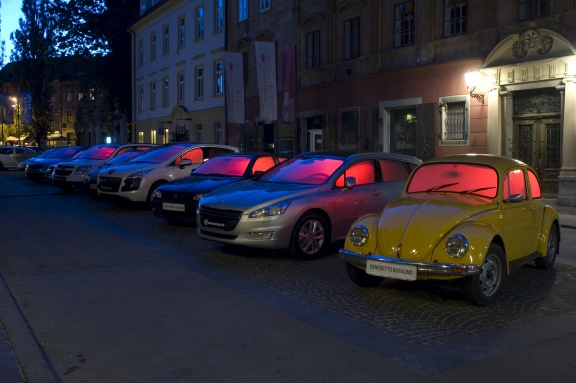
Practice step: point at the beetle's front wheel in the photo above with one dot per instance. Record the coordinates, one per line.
(485, 287)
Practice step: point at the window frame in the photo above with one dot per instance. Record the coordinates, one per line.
(181, 87)
(200, 25)
(165, 91)
(181, 32)
(351, 34)
(242, 10)
(313, 49)
(265, 5)
(219, 78)
(531, 9)
(446, 132)
(404, 24)
(165, 40)
(153, 46)
(353, 129)
(199, 82)
(219, 15)
(455, 17)
(153, 95)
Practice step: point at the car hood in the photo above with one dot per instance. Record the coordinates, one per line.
(198, 183)
(252, 194)
(127, 169)
(417, 223)
(45, 161)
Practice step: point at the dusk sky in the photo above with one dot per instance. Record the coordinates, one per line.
(11, 12)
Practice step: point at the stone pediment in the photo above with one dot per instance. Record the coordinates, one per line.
(531, 45)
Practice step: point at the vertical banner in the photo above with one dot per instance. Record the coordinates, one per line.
(234, 78)
(266, 72)
(7, 111)
(288, 93)
(26, 107)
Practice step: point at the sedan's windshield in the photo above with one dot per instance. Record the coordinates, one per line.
(310, 171)
(160, 155)
(455, 178)
(98, 153)
(234, 166)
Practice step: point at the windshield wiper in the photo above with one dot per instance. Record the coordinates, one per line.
(472, 191)
(435, 188)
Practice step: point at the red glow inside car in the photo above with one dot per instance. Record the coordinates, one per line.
(225, 166)
(309, 171)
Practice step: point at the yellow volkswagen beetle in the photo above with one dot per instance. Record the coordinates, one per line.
(476, 217)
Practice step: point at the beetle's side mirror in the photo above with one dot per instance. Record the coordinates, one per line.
(515, 198)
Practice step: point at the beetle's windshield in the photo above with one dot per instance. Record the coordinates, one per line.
(455, 178)
(310, 171)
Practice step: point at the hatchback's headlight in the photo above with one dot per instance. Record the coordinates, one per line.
(138, 175)
(270, 210)
(83, 169)
(199, 195)
(359, 236)
(456, 246)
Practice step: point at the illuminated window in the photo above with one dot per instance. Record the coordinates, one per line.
(393, 170)
(404, 24)
(264, 5)
(532, 9)
(141, 99)
(351, 38)
(313, 49)
(219, 78)
(181, 32)
(141, 52)
(153, 46)
(242, 10)
(152, 95)
(199, 82)
(219, 15)
(181, 87)
(454, 120)
(166, 40)
(165, 90)
(200, 23)
(455, 17)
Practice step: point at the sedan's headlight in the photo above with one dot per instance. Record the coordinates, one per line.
(270, 210)
(359, 236)
(83, 169)
(199, 195)
(456, 246)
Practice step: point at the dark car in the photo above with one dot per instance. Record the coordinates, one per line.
(176, 201)
(37, 167)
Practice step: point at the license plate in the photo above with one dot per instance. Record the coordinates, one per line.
(391, 270)
(173, 206)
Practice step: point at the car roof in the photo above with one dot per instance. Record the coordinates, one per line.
(360, 155)
(500, 163)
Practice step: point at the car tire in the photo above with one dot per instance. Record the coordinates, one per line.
(310, 237)
(361, 278)
(546, 262)
(486, 287)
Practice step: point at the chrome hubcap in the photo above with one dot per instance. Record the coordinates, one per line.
(311, 237)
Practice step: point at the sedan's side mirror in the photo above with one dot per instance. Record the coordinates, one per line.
(185, 162)
(349, 182)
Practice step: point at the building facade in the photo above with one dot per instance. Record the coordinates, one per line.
(178, 72)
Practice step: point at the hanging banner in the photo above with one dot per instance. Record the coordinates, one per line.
(266, 73)
(234, 78)
(7, 111)
(26, 107)
(289, 100)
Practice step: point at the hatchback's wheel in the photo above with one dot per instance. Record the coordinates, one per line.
(309, 237)
(361, 278)
(547, 261)
(485, 287)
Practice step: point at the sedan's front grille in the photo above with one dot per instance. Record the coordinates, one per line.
(219, 218)
(62, 170)
(109, 184)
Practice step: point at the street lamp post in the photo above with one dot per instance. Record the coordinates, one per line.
(16, 107)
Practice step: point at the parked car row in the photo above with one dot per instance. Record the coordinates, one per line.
(467, 218)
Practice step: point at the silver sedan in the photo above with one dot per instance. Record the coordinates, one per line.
(305, 203)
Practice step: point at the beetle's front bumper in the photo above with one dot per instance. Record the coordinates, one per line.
(423, 268)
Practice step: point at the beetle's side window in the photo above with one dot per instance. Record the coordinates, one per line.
(514, 184)
(534, 185)
(362, 171)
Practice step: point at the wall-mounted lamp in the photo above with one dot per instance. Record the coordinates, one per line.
(472, 80)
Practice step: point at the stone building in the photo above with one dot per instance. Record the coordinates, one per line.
(178, 72)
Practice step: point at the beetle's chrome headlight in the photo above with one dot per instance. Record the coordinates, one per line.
(359, 236)
(457, 246)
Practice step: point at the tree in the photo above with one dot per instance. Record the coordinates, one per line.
(2, 44)
(32, 58)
